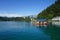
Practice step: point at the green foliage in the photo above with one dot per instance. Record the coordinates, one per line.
(27, 19)
(11, 19)
(51, 11)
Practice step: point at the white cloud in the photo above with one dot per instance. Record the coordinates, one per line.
(4, 13)
(11, 15)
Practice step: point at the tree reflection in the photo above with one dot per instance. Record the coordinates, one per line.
(53, 31)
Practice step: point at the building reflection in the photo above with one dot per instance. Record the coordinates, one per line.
(56, 23)
(41, 27)
(52, 30)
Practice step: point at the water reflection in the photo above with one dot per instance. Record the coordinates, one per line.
(51, 30)
(28, 31)
(56, 23)
(21, 31)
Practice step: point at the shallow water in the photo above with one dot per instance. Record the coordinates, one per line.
(27, 31)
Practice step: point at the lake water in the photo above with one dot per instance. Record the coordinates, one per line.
(28, 31)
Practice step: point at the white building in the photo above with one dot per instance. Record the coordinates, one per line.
(56, 19)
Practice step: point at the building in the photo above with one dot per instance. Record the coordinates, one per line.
(56, 19)
(41, 21)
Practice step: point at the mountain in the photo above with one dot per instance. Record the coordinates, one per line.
(33, 16)
(51, 11)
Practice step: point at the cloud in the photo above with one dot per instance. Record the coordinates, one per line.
(6, 14)
(11, 15)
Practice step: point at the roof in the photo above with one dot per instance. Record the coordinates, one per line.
(41, 19)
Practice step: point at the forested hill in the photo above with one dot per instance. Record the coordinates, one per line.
(51, 11)
(27, 19)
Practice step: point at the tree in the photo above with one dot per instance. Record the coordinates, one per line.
(51, 11)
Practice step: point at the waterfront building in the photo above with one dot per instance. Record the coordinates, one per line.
(56, 19)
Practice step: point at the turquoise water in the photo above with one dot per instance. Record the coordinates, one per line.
(28, 31)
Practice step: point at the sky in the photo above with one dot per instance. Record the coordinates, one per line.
(14, 8)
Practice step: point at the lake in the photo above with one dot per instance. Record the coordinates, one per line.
(27, 31)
